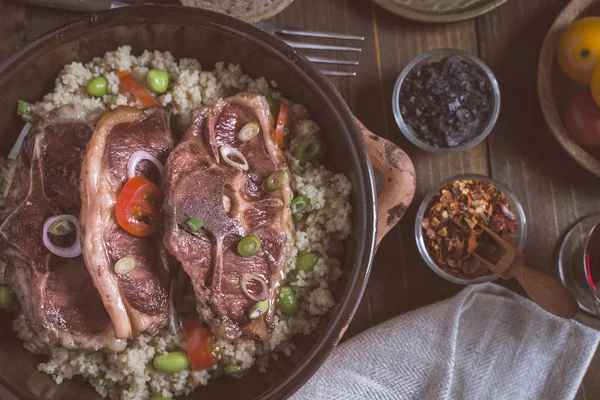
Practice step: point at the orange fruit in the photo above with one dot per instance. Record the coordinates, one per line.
(579, 48)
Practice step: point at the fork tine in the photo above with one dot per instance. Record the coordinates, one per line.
(337, 73)
(330, 61)
(503, 243)
(319, 34)
(302, 45)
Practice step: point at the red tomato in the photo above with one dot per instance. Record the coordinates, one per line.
(582, 119)
(129, 85)
(199, 344)
(281, 122)
(139, 207)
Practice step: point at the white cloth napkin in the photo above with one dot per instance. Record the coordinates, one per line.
(484, 343)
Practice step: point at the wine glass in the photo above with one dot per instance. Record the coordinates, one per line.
(579, 263)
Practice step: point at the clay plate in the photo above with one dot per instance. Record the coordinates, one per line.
(439, 10)
(554, 88)
(188, 32)
(250, 11)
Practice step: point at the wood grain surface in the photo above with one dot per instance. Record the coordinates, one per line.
(520, 152)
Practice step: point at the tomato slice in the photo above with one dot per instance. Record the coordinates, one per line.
(129, 85)
(281, 122)
(139, 207)
(199, 344)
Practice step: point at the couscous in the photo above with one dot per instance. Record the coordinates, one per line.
(319, 229)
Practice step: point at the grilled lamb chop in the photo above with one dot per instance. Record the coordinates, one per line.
(57, 295)
(139, 300)
(232, 203)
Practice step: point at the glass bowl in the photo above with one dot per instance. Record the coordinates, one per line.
(518, 240)
(437, 55)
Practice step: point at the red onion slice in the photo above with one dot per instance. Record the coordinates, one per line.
(508, 213)
(66, 252)
(14, 152)
(141, 155)
(227, 152)
(246, 279)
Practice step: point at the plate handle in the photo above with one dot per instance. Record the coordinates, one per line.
(398, 174)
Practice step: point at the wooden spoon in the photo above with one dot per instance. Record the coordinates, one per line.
(546, 291)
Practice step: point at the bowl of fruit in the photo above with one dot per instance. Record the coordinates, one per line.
(569, 81)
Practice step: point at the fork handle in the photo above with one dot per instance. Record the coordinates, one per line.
(547, 292)
(78, 5)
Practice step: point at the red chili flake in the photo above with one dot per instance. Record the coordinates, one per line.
(450, 225)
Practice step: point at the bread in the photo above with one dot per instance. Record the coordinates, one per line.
(246, 10)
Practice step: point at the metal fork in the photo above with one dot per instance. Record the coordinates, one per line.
(275, 29)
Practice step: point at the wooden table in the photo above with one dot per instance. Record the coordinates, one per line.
(520, 152)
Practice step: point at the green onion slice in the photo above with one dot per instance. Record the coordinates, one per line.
(22, 107)
(298, 205)
(308, 150)
(249, 246)
(275, 181)
(258, 309)
(125, 265)
(193, 224)
(249, 131)
(61, 227)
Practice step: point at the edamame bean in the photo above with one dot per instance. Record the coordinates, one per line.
(171, 363)
(158, 80)
(6, 297)
(288, 302)
(306, 262)
(97, 87)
